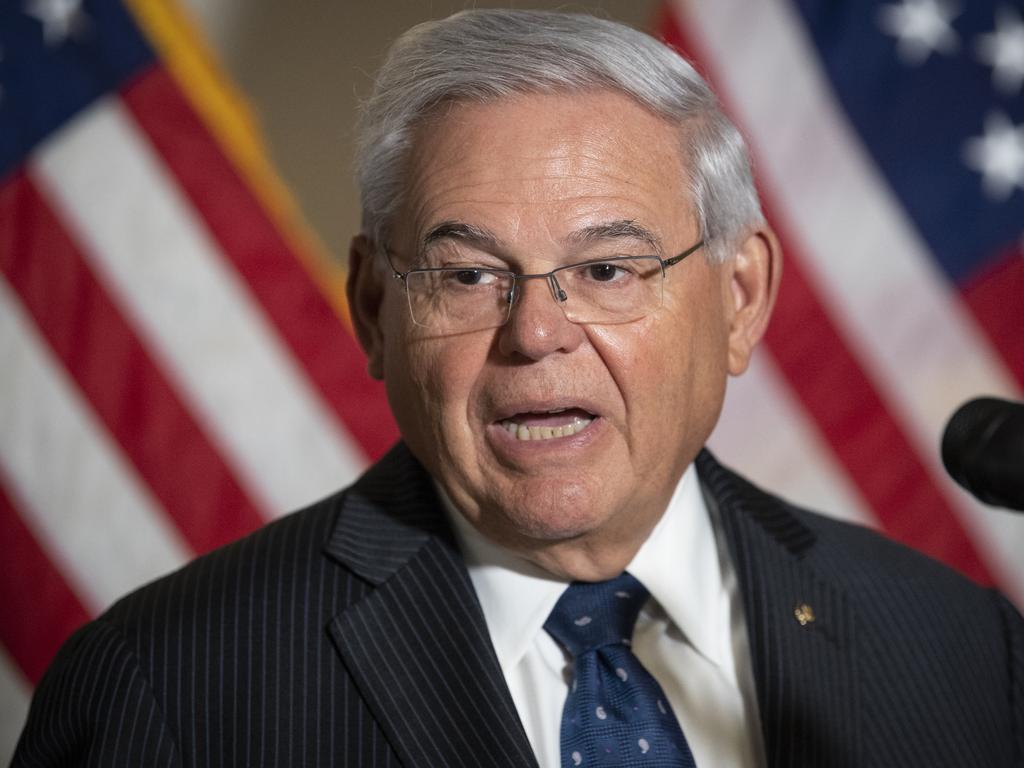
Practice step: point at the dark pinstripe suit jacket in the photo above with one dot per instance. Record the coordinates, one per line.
(349, 634)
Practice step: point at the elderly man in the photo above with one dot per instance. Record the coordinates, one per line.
(562, 260)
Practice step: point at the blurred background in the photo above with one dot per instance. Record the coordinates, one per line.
(176, 200)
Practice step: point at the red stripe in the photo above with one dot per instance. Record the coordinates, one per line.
(40, 609)
(996, 297)
(863, 434)
(116, 374)
(249, 239)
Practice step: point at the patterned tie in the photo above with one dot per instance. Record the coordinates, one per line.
(615, 713)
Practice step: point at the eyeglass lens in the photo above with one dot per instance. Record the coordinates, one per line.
(459, 299)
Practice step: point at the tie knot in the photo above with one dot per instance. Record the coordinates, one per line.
(589, 615)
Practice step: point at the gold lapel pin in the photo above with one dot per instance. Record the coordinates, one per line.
(804, 614)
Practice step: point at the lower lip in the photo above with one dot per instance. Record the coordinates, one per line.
(505, 444)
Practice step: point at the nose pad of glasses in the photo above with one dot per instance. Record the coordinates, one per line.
(556, 289)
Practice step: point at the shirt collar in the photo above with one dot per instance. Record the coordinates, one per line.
(678, 564)
(516, 596)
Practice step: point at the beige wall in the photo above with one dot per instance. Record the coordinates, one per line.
(303, 67)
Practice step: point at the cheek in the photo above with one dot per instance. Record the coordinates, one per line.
(430, 384)
(645, 362)
(670, 371)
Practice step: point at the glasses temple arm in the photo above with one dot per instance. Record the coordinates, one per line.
(676, 259)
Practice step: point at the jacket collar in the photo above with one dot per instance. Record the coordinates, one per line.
(417, 644)
(387, 517)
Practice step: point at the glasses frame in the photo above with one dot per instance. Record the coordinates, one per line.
(557, 292)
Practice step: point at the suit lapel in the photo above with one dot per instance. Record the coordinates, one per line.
(800, 628)
(417, 644)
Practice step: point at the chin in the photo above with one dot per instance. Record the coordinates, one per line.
(551, 511)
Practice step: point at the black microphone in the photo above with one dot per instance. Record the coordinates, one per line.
(983, 450)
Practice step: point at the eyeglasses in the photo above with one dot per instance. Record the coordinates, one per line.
(460, 299)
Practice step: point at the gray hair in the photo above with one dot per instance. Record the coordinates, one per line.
(484, 55)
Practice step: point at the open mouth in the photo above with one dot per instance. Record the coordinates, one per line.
(547, 425)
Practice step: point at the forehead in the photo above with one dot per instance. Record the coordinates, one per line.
(546, 166)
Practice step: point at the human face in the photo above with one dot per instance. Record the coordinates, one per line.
(529, 184)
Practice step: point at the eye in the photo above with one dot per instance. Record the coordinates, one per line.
(605, 272)
(471, 277)
(468, 276)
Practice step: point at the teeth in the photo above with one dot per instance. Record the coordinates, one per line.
(523, 432)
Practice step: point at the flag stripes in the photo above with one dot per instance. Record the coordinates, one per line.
(913, 347)
(173, 374)
(191, 307)
(996, 299)
(119, 378)
(862, 431)
(799, 458)
(34, 591)
(254, 245)
(14, 699)
(93, 516)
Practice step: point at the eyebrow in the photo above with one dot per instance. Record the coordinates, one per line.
(458, 230)
(621, 229)
(479, 236)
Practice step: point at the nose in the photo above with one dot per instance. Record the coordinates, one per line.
(537, 326)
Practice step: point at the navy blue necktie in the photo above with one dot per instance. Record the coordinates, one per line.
(615, 713)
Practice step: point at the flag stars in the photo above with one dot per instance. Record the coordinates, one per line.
(1003, 50)
(998, 155)
(922, 27)
(61, 19)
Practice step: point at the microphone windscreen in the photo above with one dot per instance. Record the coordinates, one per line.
(983, 450)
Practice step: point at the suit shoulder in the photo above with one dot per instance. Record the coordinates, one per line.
(856, 554)
(847, 552)
(263, 568)
(92, 705)
(895, 586)
(934, 661)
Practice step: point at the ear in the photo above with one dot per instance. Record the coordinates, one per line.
(754, 273)
(365, 294)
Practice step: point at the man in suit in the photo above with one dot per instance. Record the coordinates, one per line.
(562, 260)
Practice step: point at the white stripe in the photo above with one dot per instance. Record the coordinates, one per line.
(162, 266)
(82, 500)
(765, 434)
(14, 700)
(898, 313)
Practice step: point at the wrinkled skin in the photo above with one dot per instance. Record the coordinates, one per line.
(532, 172)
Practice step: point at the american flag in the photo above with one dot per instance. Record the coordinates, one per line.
(888, 140)
(177, 367)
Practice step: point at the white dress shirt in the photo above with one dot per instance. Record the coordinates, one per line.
(691, 634)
